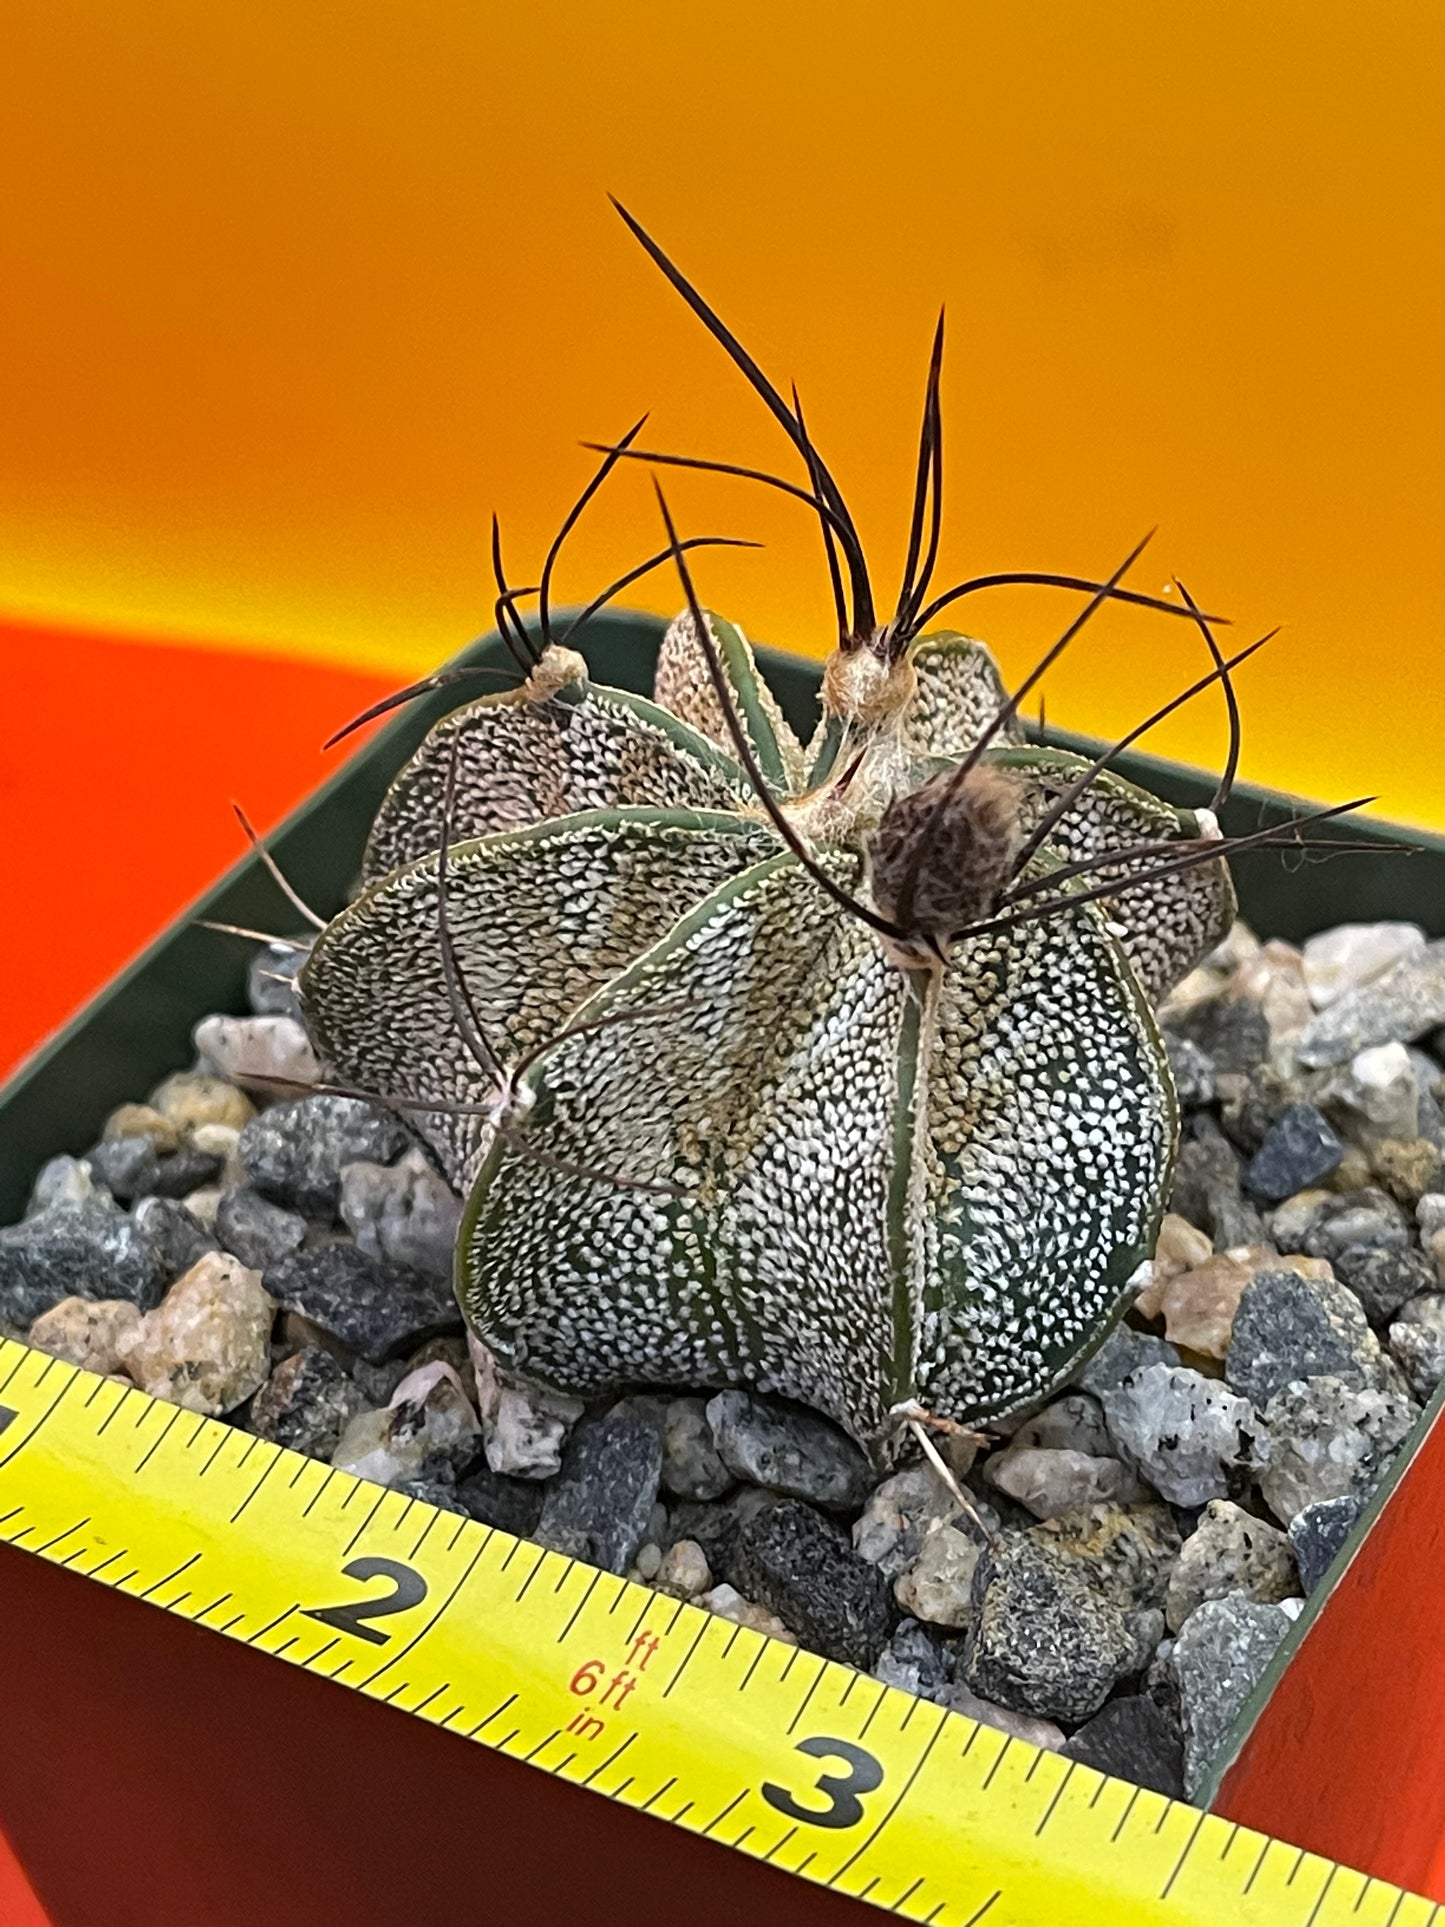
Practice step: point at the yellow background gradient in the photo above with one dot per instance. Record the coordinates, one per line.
(296, 294)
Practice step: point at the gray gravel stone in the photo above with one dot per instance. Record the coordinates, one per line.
(295, 1151)
(1189, 1436)
(1229, 1551)
(1122, 1353)
(1316, 1535)
(1290, 1223)
(1382, 1278)
(1193, 1071)
(126, 1166)
(1400, 1006)
(1369, 1218)
(1075, 1422)
(1299, 1150)
(1254, 1103)
(1326, 1440)
(376, 1310)
(786, 1449)
(691, 1468)
(890, 1530)
(435, 1492)
(494, 1498)
(256, 1231)
(917, 1659)
(306, 1403)
(1417, 1343)
(271, 980)
(86, 1250)
(799, 1564)
(1045, 1638)
(61, 1180)
(1233, 1032)
(1047, 1483)
(405, 1213)
(1289, 1327)
(1219, 1658)
(176, 1236)
(1206, 1192)
(599, 1506)
(1133, 1739)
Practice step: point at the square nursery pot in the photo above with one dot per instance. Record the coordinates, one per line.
(152, 1772)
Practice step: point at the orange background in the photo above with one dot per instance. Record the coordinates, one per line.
(296, 294)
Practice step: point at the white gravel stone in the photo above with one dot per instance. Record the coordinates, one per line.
(1040, 1733)
(428, 1427)
(1189, 1436)
(685, 1569)
(1327, 1440)
(1356, 953)
(206, 1346)
(258, 1048)
(728, 1603)
(524, 1428)
(937, 1586)
(60, 1180)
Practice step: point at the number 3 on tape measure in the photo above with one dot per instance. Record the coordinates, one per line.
(844, 1808)
(408, 1588)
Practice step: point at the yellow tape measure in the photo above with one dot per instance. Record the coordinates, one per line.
(751, 1742)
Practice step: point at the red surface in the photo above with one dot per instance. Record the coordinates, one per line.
(1348, 1757)
(155, 1775)
(18, 1905)
(118, 762)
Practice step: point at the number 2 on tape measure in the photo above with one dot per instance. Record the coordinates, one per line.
(408, 1588)
(844, 1808)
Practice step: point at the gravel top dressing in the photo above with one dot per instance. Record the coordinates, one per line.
(1146, 1535)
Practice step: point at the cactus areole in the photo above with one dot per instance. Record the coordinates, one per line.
(807, 1098)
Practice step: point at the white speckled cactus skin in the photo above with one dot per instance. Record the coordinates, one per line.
(787, 1160)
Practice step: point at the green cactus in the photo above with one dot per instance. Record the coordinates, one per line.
(825, 1070)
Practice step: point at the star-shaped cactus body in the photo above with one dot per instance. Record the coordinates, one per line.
(739, 1136)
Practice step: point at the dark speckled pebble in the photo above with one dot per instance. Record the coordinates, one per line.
(177, 1237)
(375, 1309)
(1134, 1739)
(1382, 1278)
(1288, 1327)
(184, 1171)
(1046, 1638)
(295, 1151)
(802, 1567)
(256, 1231)
(1232, 1032)
(1317, 1534)
(305, 1403)
(126, 1166)
(446, 1498)
(512, 1505)
(89, 1249)
(598, 1506)
(1298, 1152)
